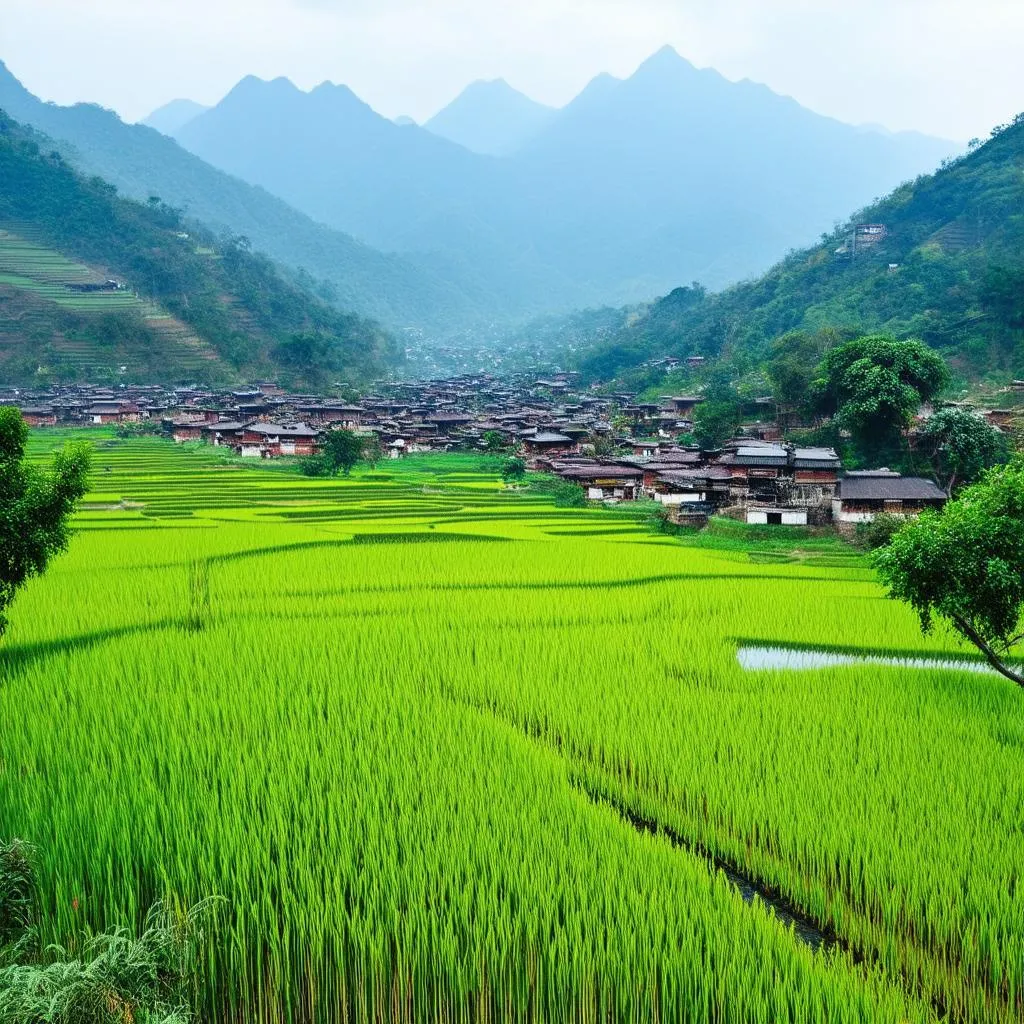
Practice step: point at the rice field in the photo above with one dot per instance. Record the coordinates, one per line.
(452, 753)
(47, 274)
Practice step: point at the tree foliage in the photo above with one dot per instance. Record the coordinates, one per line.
(874, 385)
(718, 417)
(961, 446)
(965, 565)
(513, 469)
(35, 505)
(341, 451)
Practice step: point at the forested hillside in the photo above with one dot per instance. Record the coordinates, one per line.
(191, 306)
(941, 258)
(141, 163)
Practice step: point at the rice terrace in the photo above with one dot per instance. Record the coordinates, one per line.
(451, 752)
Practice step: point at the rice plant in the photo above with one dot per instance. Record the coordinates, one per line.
(415, 769)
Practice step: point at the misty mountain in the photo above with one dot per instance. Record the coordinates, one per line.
(491, 118)
(174, 115)
(395, 187)
(141, 163)
(672, 174)
(946, 266)
(713, 178)
(193, 306)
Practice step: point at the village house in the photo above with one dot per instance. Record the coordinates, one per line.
(224, 432)
(270, 440)
(607, 482)
(548, 442)
(183, 431)
(861, 496)
(39, 415)
(114, 412)
(815, 475)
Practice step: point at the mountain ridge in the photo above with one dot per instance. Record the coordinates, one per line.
(673, 173)
(141, 162)
(232, 308)
(490, 117)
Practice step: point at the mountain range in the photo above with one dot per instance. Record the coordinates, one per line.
(940, 258)
(141, 163)
(500, 208)
(672, 174)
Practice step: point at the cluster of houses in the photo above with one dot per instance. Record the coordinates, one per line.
(615, 448)
(758, 481)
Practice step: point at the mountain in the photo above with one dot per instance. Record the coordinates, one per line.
(940, 258)
(395, 187)
(672, 174)
(491, 118)
(95, 286)
(141, 162)
(679, 174)
(174, 115)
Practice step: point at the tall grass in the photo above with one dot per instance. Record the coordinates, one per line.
(385, 757)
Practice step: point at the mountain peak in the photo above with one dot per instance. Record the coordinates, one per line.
(490, 117)
(174, 115)
(667, 60)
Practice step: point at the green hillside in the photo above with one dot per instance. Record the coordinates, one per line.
(141, 162)
(948, 268)
(188, 306)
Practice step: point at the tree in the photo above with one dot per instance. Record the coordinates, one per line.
(35, 506)
(791, 367)
(513, 469)
(341, 451)
(717, 418)
(494, 442)
(961, 447)
(965, 564)
(874, 385)
(372, 452)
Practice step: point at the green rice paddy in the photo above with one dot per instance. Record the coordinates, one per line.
(47, 274)
(407, 723)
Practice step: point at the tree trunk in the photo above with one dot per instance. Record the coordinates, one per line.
(990, 655)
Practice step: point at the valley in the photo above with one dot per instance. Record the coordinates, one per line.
(555, 558)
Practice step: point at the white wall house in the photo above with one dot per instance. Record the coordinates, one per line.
(777, 516)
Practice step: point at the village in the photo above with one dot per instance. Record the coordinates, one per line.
(611, 446)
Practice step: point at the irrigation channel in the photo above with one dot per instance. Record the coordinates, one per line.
(805, 929)
(755, 659)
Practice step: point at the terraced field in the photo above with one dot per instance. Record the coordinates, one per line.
(48, 274)
(40, 276)
(453, 753)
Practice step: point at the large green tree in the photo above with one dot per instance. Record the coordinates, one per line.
(718, 417)
(35, 505)
(341, 451)
(961, 446)
(874, 385)
(965, 565)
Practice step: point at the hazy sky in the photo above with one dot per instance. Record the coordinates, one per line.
(948, 67)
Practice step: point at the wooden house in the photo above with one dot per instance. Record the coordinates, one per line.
(862, 496)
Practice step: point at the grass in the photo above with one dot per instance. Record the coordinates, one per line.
(400, 762)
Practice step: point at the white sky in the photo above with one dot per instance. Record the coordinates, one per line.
(947, 67)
